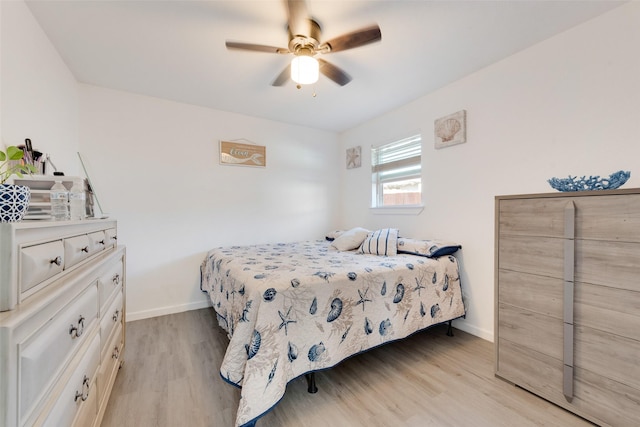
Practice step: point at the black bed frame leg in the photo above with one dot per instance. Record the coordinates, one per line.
(449, 329)
(311, 382)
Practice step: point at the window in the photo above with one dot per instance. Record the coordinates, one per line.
(396, 173)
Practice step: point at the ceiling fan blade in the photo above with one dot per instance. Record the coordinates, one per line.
(283, 77)
(334, 73)
(298, 19)
(354, 39)
(255, 47)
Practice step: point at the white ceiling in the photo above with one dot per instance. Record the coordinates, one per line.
(176, 49)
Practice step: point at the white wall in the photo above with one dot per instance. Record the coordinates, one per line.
(39, 93)
(155, 167)
(569, 105)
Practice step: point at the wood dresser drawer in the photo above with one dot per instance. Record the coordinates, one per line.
(531, 369)
(531, 330)
(539, 294)
(531, 217)
(606, 401)
(612, 264)
(534, 255)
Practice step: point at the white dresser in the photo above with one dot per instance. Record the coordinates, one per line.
(62, 325)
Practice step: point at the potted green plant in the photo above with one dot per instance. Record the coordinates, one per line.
(14, 199)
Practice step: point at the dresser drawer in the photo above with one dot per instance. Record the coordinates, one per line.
(43, 354)
(532, 292)
(109, 365)
(530, 369)
(109, 282)
(532, 217)
(97, 242)
(40, 262)
(79, 397)
(608, 355)
(86, 416)
(111, 319)
(534, 255)
(76, 249)
(111, 236)
(531, 330)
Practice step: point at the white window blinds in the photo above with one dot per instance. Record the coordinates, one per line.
(397, 160)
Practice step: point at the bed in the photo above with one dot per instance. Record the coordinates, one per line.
(295, 308)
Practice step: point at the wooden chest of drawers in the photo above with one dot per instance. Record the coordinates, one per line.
(567, 320)
(62, 330)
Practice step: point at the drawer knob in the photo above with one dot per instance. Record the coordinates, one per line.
(85, 249)
(84, 394)
(101, 242)
(116, 279)
(116, 353)
(57, 261)
(116, 315)
(76, 331)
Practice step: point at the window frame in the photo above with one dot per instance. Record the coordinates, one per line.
(391, 158)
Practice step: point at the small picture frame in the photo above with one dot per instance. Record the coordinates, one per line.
(450, 130)
(354, 157)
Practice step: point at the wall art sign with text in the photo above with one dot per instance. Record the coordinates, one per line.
(242, 154)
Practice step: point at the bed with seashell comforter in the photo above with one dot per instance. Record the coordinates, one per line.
(295, 308)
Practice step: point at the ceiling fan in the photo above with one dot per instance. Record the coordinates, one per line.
(305, 43)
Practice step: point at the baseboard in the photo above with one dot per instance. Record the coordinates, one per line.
(473, 330)
(146, 314)
(162, 311)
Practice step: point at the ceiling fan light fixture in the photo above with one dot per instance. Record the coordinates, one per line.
(304, 70)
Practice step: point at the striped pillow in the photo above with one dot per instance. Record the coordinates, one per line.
(381, 242)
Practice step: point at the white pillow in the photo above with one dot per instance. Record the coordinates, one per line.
(381, 242)
(351, 239)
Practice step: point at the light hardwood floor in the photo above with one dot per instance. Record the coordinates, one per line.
(170, 378)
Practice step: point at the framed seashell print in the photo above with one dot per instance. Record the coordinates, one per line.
(450, 130)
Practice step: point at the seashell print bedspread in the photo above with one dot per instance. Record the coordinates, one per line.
(293, 308)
